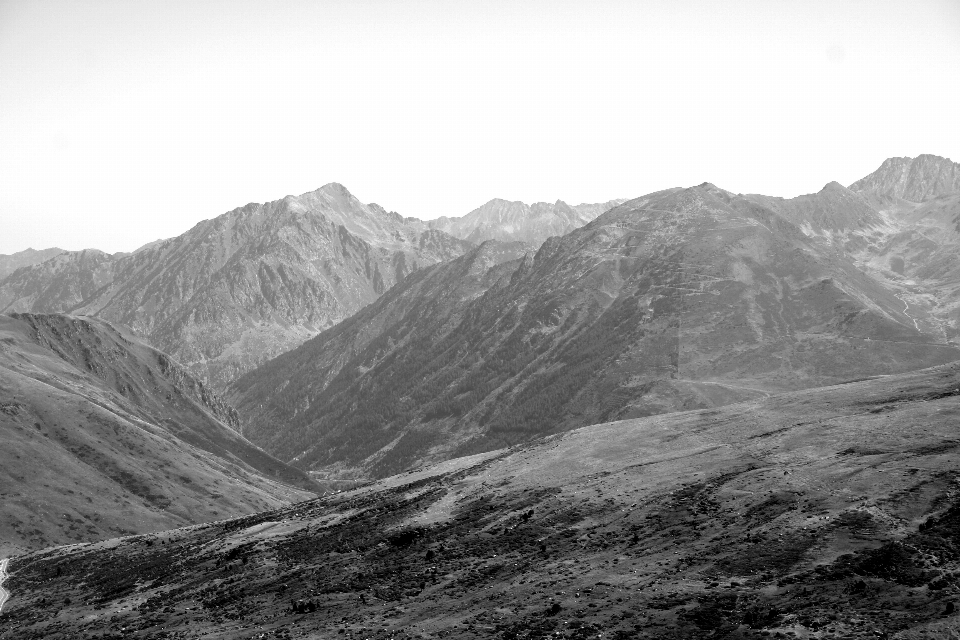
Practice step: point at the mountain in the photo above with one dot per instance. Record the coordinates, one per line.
(242, 287)
(680, 299)
(837, 215)
(57, 285)
(26, 258)
(104, 436)
(901, 225)
(516, 221)
(825, 513)
(914, 179)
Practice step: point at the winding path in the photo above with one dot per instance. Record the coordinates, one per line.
(906, 310)
(4, 594)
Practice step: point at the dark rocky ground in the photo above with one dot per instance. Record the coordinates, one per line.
(826, 513)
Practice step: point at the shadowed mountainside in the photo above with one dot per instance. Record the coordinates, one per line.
(681, 299)
(104, 436)
(825, 513)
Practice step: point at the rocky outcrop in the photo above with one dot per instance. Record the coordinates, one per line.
(914, 179)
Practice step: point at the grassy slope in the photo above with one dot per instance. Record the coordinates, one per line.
(103, 436)
(827, 512)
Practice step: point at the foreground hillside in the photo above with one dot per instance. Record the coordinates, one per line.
(680, 299)
(104, 436)
(825, 513)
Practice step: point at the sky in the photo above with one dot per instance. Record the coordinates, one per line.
(125, 122)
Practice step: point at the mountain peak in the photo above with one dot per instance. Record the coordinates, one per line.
(914, 179)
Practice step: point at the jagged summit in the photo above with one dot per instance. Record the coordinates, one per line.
(913, 179)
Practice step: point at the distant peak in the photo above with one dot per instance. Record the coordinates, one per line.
(334, 189)
(833, 185)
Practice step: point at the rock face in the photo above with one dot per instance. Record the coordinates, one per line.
(26, 258)
(914, 179)
(681, 299)
(245, 286)
(820, 513)
(516, 221)
(105, 436)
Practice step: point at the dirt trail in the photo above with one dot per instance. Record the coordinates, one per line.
(906, 309)
(4, 594)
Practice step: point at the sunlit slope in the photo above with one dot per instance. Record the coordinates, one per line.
(104, 436)
(828, 513)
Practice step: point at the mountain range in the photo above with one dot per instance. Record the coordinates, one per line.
(681, 299)
(254, 282)
(428, 346)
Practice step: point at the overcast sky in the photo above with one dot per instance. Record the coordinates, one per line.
(124, 122)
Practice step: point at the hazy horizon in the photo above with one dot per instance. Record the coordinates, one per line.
(125, 123)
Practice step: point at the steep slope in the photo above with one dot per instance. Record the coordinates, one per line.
(103, 436)
(58, 284)
(677, 300)
(516, 221)
(247, 285)
(913, 179)
(25, 258)
(827, 513)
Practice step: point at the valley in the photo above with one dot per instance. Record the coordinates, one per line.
(692, 414)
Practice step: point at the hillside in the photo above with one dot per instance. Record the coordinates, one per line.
(826, 513)
(519, 222)
(681, 299)
(244, 286)
(104, 436)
